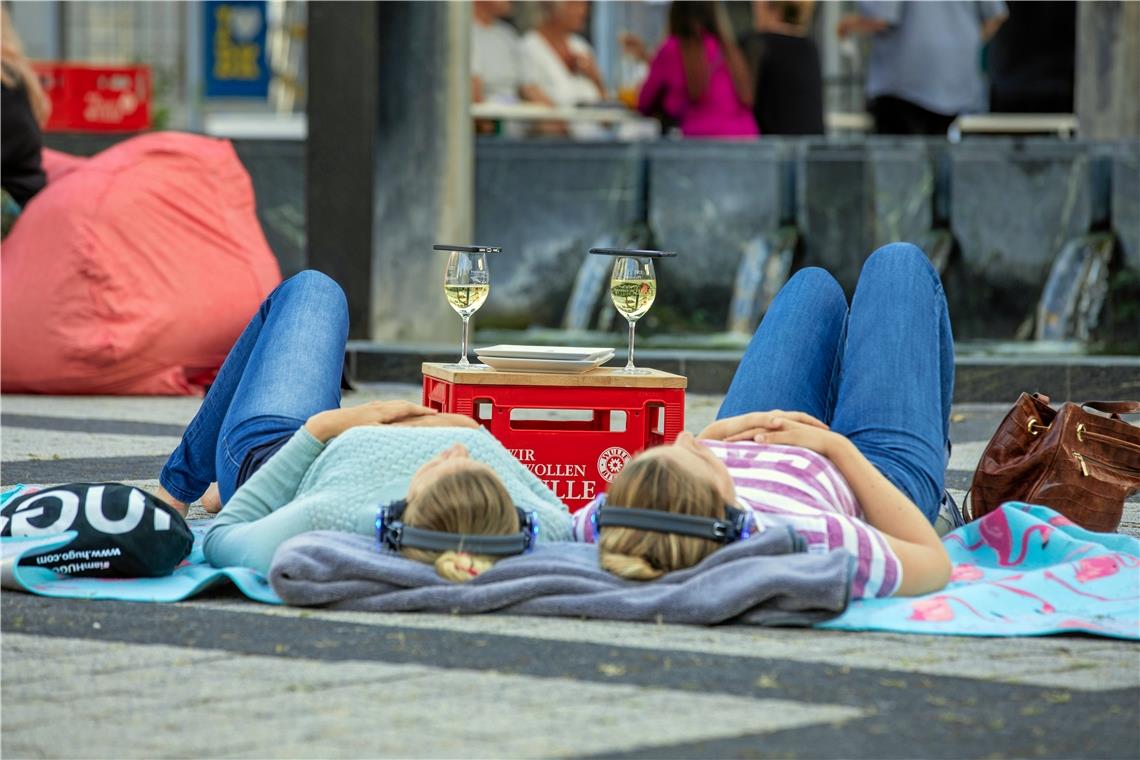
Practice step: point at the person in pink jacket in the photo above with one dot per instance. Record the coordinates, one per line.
(698, 78)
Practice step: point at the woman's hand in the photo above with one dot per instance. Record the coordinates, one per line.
(790, 432)
(744, 427)
(329, 424)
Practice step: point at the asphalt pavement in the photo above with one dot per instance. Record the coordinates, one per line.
(222, 676)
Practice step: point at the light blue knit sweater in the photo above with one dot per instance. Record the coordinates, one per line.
(308, 485)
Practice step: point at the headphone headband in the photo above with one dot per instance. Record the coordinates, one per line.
(394, 534)
(736, 525)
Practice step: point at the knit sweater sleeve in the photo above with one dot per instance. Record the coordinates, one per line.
(274, 484)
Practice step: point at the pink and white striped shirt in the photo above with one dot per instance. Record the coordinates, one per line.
(798, 488)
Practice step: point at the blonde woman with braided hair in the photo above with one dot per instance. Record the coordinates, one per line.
(456, 495)
(274, 451)
(836, 426)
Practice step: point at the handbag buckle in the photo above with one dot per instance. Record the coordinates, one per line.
(1034, 424)
(1081, 432)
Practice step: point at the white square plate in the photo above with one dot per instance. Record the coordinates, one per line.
(568, 366)
(564, 353)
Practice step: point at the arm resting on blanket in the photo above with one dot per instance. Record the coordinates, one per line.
(925, 564)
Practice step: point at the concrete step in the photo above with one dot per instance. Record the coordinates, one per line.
(979, 378)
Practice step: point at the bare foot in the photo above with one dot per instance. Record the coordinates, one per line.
(179, 506)
(211, 501)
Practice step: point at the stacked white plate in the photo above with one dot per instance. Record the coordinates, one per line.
(569, 359)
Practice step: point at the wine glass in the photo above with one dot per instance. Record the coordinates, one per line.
(467, 282)
(633, 287)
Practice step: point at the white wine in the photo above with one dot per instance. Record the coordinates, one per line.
(632, 298)
(466, 299)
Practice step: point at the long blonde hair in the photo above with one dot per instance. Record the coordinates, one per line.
(472, 502)
(16, 70)
(653, 482)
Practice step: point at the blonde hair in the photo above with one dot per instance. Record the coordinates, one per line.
(654, 482)
(16, 70)
(473, 502)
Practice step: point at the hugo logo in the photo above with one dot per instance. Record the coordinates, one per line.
(67, 504)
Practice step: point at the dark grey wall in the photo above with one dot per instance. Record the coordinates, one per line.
(1012, 205)
(546, 203)
(707, 200)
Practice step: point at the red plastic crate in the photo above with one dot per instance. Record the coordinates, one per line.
(575, 432)
(94, 98)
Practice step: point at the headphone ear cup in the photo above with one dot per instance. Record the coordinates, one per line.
(388, 515)
(742, 520)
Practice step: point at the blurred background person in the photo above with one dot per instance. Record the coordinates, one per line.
(698, 78)
(498, 72)
(1032, 58)
(784, 62)
(23, 113)
(562, 64)
(924, 68)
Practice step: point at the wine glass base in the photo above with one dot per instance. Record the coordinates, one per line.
(466, 367)
(634, 371)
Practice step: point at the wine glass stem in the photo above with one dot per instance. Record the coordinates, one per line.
(463, 344)
(629, 361)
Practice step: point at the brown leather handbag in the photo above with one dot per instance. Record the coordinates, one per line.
(1082, 464)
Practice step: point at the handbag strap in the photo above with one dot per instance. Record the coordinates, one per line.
(1114, 407)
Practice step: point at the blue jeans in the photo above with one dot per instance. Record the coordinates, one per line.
(880, 373)
(285, 367)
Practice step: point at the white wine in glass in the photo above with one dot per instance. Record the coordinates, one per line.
(466, 299)
(633, 288)
(466, 283)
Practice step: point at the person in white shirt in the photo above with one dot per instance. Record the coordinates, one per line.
(498, 71)
(562, 63)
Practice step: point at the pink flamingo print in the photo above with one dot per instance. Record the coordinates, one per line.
(1046, 608)
(1060, 521)
(1077, 591)
(936, 609)
(1079, 550)
(966, 572)
(997, 534)
(1091, 568)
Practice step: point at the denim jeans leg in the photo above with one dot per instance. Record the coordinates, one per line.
(791, 362)
(189, 469)
(896, 377)
(293, 371)
(192, 466)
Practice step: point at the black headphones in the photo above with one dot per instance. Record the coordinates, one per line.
(392, 533)
(737, 524)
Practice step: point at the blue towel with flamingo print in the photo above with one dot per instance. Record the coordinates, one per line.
(1022, 570)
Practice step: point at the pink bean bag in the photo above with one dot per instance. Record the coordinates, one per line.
(132, 272)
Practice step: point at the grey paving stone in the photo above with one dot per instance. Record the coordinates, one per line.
(24, 444)
(258, 706)
(1071, 662)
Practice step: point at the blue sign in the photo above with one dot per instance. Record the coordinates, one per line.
(236, 65)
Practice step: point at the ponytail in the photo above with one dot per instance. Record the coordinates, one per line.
(461, 566)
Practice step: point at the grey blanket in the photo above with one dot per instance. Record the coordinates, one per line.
(766, 580)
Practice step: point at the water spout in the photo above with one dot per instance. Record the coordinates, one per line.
(1074, 295)
(589, 284)
(763, 270)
